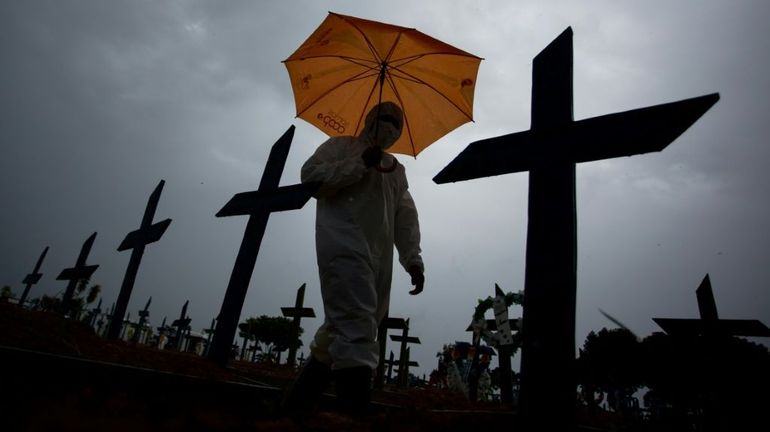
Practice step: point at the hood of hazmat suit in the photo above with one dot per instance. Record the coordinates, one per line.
(361, 213)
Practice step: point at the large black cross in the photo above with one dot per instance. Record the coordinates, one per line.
(75, 274)
(137, 240)
(296, 313)
(709, 324)
(257, 205)
(549, 151)
(388, 323)
(32, 278)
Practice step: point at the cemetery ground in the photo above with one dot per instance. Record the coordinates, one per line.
(57, 374)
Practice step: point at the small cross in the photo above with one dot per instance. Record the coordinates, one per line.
(387, 323)
(296, 313)
(75, 274)
(33, 277)
(709, 324)
(404, 339)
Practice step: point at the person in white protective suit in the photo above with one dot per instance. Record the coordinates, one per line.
(363, 209)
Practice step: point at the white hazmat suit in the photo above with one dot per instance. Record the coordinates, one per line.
(360, 214)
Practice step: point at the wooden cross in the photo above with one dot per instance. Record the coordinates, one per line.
(296, 313)
(182, 324)
(76, 274)
(210, 333)
(404, 363)
(709, 324)
(390, 362)
(550, 150)
(95, 312)
(32, 278)
(143, 314)
(387, 323)
(257, 205)
(403, 356)
(503, 326)
(136, 241)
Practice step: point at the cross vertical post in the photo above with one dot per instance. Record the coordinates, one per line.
(257, 205)
(136, 241)
(297, 313)
(549, 151)
(387, 323)
(32, 278)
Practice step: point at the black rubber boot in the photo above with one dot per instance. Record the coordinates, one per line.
(303, 394)
(354, 390)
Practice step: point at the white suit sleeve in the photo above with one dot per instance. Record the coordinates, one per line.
(335, 164)
(408, 233)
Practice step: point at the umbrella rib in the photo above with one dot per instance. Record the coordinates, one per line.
(412, 58)
(419, 81)
(366, 38)
(403, 112)
(355, 60)
(369, 98)
(356, 77)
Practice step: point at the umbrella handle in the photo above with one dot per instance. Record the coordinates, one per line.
(383, 68)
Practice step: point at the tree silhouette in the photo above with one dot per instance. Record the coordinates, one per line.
(6, 293)
(609, 363)
(82, 297)
(726, 378)
(274, 334)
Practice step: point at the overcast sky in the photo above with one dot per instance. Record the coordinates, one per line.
(99, 101)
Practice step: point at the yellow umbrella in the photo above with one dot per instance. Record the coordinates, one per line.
(348, 65)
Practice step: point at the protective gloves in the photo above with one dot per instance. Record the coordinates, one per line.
(372, 156)
(418, 279)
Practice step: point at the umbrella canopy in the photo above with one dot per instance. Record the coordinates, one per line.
(349, 65)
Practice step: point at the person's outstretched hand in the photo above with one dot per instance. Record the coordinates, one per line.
(372, 156)
(418, 279)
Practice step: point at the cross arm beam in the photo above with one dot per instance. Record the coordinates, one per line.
(144, 236)
(76, 273)
(409, 339)
(628, 133)
(294, 312)
(732, 327)
(265, 201)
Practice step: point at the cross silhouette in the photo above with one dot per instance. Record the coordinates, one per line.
(32, 278)
(297, 313)
(550, 150)
(257, 205)
(387, 323)
(403, 367)
(182, 325)
(136, 241)
(77, 273)
(709, 324)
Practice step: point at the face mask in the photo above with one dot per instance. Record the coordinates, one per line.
(387, 134)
